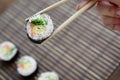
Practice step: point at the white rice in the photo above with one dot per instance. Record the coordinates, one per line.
(46, 74)
(4, 58)
(49, 27)
(33, 67)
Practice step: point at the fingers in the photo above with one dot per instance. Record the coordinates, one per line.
(79, 6)
(108, 9)
(112, 22)
(110, 14)
(115, 27)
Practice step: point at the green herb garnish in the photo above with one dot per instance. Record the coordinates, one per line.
(39, 22)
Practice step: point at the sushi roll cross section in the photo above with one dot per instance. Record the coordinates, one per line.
(26, 66)
(7, 51)
(39, 27)
(48, 76)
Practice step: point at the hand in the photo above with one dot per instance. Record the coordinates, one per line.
(110, 11)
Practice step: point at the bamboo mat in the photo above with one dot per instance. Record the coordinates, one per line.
(85, 50)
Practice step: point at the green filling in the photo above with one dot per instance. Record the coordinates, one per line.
(9, 53)
(39, 22)
(26, 61)
(50, 78)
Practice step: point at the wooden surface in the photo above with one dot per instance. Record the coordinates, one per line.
(85, 50)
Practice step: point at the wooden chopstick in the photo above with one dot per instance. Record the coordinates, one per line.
(51, 7)
(67, 22)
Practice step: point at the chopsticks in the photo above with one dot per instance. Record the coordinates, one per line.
(73, 17)
(51, 7)
(68, 21)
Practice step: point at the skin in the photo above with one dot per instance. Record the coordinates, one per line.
(109, 10)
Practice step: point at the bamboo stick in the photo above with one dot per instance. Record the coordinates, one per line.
(67, 22)
(50, 8)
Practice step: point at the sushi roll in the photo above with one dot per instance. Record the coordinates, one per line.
(39, 27)
(49, 76)
(7, 51)
(26, 66)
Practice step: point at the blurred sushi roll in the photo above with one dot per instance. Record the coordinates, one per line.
(26, 66)
(48, 76)
(39, 27)
(7, 51)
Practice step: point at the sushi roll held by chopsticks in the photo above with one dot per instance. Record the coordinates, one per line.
(41, 36)
(39, 28)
